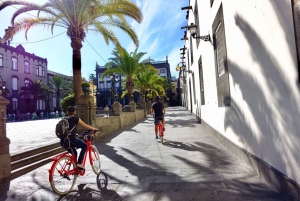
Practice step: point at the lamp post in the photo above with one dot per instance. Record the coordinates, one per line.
(114, 78)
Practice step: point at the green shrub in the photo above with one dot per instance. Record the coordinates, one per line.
(85, 84)
(67, 101)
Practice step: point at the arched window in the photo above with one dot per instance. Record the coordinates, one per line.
(40, 105)
(26, 67)
(26, 82)
(14, 83)
(15, 103)
(14, 63)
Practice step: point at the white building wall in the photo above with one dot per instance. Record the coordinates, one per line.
(264, 114)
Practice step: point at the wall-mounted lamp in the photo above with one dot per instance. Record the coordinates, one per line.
(182, 57)
(189, 71)
(193, 29)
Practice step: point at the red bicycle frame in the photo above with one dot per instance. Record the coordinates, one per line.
(72, 159)
(160, 127)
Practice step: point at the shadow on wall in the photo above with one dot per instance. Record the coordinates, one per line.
(269, 125)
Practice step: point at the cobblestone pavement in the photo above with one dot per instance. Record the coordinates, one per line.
(191, 165)
(27, 135)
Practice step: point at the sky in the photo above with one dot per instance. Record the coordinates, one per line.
(159, 35)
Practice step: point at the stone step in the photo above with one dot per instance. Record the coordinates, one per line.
(35, 158)
(34, 152)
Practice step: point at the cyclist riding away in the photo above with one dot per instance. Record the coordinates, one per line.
(75, 142)
(159, 111)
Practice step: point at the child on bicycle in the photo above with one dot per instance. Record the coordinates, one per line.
(75, 142)
(159, 111)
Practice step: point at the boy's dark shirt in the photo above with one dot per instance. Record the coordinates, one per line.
(73, 121)
(158, 109)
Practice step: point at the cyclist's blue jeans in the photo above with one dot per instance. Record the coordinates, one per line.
(77, 143)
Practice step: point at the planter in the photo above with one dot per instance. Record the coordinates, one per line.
(86, 90)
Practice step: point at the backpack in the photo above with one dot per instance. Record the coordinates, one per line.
(62, 129)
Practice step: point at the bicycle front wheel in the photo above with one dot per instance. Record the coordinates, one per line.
(62, 181)
(95, 160)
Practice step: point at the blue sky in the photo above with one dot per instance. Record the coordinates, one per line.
(159, 35)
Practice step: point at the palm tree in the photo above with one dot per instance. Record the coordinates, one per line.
(59, 86)
(78, 17)
(129, 65)
(146, 81)
(32, 90)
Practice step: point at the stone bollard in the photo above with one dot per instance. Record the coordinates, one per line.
(132, 106)
(117, 108)
(5, 159)
(86, 110)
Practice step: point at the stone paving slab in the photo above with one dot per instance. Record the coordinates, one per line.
(191, 165)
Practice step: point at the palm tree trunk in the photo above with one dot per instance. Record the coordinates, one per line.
(76, 45)
(129, 87)
(57, 99)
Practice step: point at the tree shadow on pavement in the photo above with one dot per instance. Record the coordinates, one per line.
(84, 192)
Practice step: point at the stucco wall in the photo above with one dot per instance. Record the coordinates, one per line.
(264, 114)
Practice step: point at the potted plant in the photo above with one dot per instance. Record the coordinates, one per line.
(85, 88)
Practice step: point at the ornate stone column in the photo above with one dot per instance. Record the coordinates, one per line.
(86, 111)
(5, 159)
(117, 108)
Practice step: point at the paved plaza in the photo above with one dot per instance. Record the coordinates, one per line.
(191, 165)
(27, 135)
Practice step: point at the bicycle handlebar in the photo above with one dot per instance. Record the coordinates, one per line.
(87, 133)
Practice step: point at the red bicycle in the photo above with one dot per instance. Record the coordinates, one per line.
(64, 172)
(161, 131)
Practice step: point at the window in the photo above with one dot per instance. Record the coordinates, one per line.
(196, 16)
(118, 84)
(1, 60)
(220, 53)
(108, 84)
(201, 81)
(40, 71)
(40, 105)
(15, 103)
(54, 101)
(188, 56)
(15, 83)
(26, 82)
(14, 63)
(191, 48)
(101, 85)
(220, 49)
(26, 67)
(162, 70)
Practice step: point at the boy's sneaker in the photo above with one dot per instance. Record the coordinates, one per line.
(80, 166)
(156, 137)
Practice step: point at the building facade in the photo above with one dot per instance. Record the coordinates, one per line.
(241, 78)
(17, 67)
(50, 75)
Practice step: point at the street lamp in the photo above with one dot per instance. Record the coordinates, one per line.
(114, 78)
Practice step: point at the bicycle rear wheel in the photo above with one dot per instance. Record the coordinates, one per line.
(62, 182)
(95, 160)
(161, 134)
